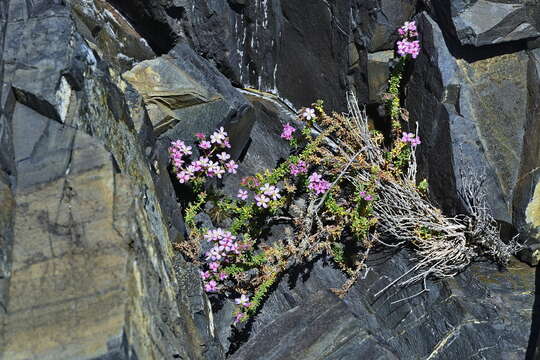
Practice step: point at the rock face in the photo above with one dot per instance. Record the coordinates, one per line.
(88, 269)
(479, 115)
(454, 317)
(282, 47)
(92, 93)
(485, 22)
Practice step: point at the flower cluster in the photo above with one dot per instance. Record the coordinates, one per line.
(411, 139)
(267, 192)
(364, 195)
(211, 163)
(318, 184)
(408, 45)
(298, 168)
(225, 248)
(288, 130)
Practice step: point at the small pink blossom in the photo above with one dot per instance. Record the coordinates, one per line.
(223, 156)
(242, 194)
(411, 138)
(183, 177)
(299, 168)
(231, 167)
(288, 130)
(211, 286)
(205, 145)
(239, 317)
(204, 275)
(317, 184)
(200, 136)
(214, 266)
(223, 276)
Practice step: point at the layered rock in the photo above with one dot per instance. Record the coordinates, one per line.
(477, 115)
(88, 269)
(485, 22)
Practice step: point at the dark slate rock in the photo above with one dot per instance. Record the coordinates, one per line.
(283, 47)
(474, 115)
(482, 312)
(322, 327)
(484, 22)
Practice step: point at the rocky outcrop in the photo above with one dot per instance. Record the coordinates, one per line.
(485, 22)
(480, 313)
(477, 115)
(282, 47)
(93, 91)
(88, 269)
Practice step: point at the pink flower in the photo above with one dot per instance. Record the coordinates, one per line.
(231, 167)
(204, 274)
(214, 266)
(317, 184)
(308, 114)
(205, 145)
(211, 286)
(411, 138)
(200, 136)
(243, 300)
(288, 130)
(368, 198)
(238, 318)
(223, 156)
(183, 177)
(223, 276)
(219, 136)
(242, 194)
(299, 168)
(262, 200)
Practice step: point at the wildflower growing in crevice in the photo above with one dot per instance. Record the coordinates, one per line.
(411, 139)
(408, 45)
(288, 130)
(211, 286)
(262, 200)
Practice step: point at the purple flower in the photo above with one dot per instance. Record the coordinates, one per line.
(219, 136)
(183, 177)
(223, 276)
(288, 130)
(242, 194)
(368, 198)
(271, 191)
(411, 138)
(243, 300)
(299, 168)
(211, 286)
